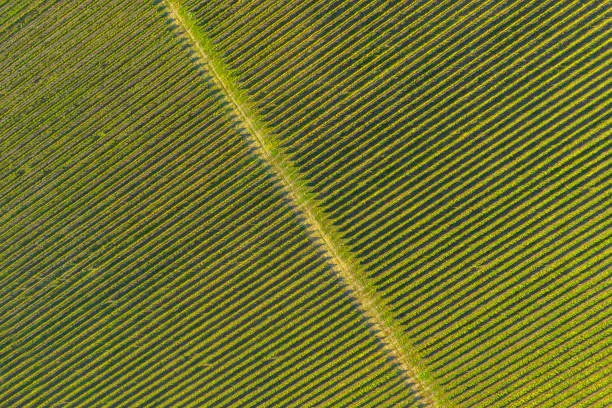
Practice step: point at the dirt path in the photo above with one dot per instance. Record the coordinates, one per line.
(341, 266)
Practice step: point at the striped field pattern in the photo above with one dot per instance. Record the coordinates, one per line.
(462, 151)
(149, 257)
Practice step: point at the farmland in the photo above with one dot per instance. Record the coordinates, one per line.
(460, 154)
(149, 257)
(305, 203)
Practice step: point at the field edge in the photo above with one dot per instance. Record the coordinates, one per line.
(387, 329)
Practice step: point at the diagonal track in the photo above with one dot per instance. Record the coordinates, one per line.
(368, 303)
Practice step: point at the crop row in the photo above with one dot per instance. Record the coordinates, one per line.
(149, 258)
(461, 150)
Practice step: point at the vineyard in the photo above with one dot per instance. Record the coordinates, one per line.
(305, 203)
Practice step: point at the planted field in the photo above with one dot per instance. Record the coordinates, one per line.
(305, 203)
(462, 151)
(148, 255)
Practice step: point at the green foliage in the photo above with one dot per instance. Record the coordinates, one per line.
(448, 146)
(149, 256)
(456, 153)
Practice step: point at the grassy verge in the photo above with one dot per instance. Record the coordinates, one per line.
(391, 332)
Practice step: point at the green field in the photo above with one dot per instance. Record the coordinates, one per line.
(305, 203)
